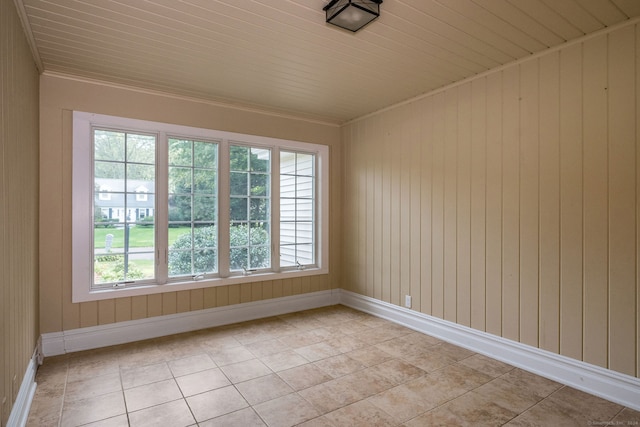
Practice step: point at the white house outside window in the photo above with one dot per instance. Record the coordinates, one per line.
(160, 207)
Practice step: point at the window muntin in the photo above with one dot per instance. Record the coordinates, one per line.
(154, 216)
(124, 244)
(249, 208)
(192, 207)
(297, 209)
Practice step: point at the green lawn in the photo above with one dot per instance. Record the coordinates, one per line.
(139, 237)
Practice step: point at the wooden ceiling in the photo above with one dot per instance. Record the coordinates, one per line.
(280, 55)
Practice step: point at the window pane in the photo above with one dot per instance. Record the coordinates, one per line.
(179, 180)
(259, 184)
(239, 158)
(205, 154)
(180, 153)
(238, 209)
(108, 145)
(250, 215)
(239, 183)
(297, 209)
(259, 210)
(260, 160)
(192, 207)
(179, 208)
(205, 208)
(141, 148)
(124, 206)
(204, 181)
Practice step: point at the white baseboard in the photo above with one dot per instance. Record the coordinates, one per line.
(605, 383)
(57, 343)
(20, 410)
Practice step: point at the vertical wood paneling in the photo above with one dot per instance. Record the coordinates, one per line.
(405, 202)
(450, 203)
(637, 55)
(494, 205)
(510, 203)
(595, 201)
(549, 328)
(369, 211)
(138, 307)
(169, 303)
(378, 149)
(437, 212)
(478, 202)
(183, 301)
(394, 132)
(415, 205)
(19, 107)
(106, 311)
(463, 226)
(122, 310)
(571, 202)
(196, 299)
(425, 119)
(154, 305)
(529, 202)
(622, 192)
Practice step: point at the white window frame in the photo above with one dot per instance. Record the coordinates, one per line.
(82, 206)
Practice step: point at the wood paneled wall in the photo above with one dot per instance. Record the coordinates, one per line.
(510, 202)
(61, 95)
(18, 207)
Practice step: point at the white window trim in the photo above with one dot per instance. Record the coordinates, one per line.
(82, 205)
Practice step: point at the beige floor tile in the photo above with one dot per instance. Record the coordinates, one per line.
(331, 366)
(284, 360)
(628, 417)
(338, 366)
(137, 376)
(461, 376)
(227, 356)
(474, 410)
(264, 388)
(318, 422)
(329, 396)
(266, 348)
(199, 382)
(286, 411)
(304, 376)
(540, 386)
(361, 414)
(548, 414)
(346, 343)
(430, 361)
(119, 421)
(191, 364)
(403, 403)
(174, 414)
(215, 403)
(370, 356)
(79, 412)
(246, 417)
(319, 351)
(398, 371)
(152, 394)
(515, 397)
(486, 365)
(92, 386)
(590, 407)
(247, 370)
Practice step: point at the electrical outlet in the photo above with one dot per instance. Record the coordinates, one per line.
(407, 301)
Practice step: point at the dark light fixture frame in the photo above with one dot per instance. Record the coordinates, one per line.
(336, 7)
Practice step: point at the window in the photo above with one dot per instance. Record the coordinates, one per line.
(159, 207)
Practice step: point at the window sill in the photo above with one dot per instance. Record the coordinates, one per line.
(80, 295)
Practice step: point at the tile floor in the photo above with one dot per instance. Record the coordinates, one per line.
(332, 366)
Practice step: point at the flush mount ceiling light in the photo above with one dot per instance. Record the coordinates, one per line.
(352, 14)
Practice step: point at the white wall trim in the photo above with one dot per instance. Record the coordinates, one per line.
(605, 383)
(20, 410)
(57, 343)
